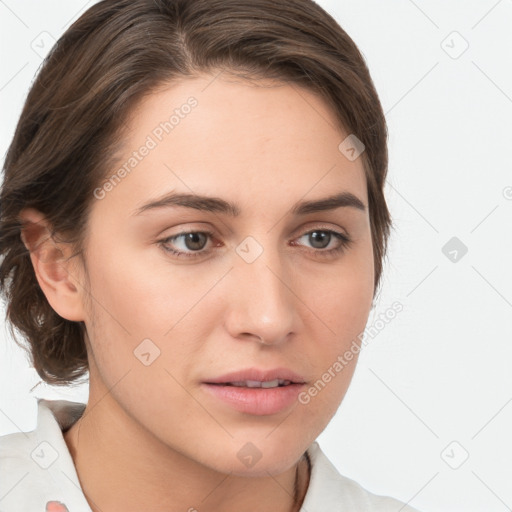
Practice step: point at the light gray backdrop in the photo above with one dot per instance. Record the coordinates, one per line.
(428, 416)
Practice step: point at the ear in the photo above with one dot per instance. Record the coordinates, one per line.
(58, 276)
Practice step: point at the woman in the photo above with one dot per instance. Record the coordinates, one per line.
(193, 213)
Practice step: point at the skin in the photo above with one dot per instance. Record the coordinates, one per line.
(150, 437)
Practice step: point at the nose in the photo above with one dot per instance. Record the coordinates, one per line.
(261, 305)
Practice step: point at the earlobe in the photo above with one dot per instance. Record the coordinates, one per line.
(50, 259)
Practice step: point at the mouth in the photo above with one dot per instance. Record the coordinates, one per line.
(256, 392)
(257, 378)
(255, 383)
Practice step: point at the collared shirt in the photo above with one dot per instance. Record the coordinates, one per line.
(37, 473)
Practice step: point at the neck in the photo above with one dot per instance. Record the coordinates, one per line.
(121, 466)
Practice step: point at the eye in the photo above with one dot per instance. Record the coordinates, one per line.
(190, 244)
(321, 239)
(193, 241)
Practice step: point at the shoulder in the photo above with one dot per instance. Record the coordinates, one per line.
(36, 467)
(53, 417)
(328, 488)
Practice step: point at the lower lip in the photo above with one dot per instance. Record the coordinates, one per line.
(258, 401)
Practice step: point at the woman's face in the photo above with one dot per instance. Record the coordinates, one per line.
(270, 287)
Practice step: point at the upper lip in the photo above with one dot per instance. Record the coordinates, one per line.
(258, 375)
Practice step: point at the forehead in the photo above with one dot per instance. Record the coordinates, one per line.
(228, 137)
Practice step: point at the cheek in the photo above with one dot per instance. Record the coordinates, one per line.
(141, 298)
(340, 303)
(341, 297)
(154, 309)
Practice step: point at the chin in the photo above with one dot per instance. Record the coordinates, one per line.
(259, 457)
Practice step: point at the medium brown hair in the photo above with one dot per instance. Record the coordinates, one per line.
(112, 56)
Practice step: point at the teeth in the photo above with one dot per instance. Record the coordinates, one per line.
(270, 384)
(259, 384)
(255, 383)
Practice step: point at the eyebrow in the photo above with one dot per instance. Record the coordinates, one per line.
(219, 205)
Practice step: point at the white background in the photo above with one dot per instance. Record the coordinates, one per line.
(440, 371)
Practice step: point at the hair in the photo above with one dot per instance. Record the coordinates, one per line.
(116, 53)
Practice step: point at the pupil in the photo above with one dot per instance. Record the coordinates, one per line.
(322, 235)
(191, 241)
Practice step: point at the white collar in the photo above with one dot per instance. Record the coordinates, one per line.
(37, 468)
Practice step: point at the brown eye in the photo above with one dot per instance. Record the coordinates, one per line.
(187, 243)
(320, 239)
(195, 241)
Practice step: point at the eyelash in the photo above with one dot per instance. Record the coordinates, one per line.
(345, 243)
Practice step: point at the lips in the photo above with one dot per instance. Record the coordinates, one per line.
(254, 391)
(254, 377)
(258, 384)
